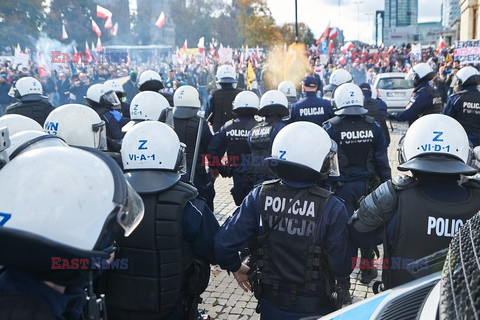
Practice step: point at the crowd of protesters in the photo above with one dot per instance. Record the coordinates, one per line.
(68, 83)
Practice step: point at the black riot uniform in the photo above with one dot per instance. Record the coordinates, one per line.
(464, 106)
(260, 142)
(232, 138)
(186, 127)
(219, 105)
(426, 208)
(34, 106)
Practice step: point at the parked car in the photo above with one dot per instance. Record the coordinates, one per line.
(394, 90)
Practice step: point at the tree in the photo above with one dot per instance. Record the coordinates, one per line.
(19, 18)
(196, 19)
(77, 16)
(256, 24)
(305, 34)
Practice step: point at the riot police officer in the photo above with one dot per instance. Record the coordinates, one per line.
(104, 101)
(219, 104)
(362, 152)
(113, 85)
(310, 107)
(273, 106)
(425, 99)
(288, 88)
(376, 107)
(464, 106)
(173, 245)
(232, 138)
(31, 103)
(186, 122)
(414, 216)
(63, 239)
(294, 226)
(151, 81)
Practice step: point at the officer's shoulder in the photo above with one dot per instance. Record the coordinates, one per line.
(403, 182)
(472, 183)
(369, 119)
(333, 121)
(271, 182)
(227, 124)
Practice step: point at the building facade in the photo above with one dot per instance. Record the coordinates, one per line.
(469, 19)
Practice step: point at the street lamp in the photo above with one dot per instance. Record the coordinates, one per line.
(296, 23)
(358, 2)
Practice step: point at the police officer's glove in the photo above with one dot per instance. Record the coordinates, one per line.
(392, 116)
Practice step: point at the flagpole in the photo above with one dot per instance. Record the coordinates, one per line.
(296, 22)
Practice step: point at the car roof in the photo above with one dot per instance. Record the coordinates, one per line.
(391, 75)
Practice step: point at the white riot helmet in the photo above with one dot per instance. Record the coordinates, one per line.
(246, 102)
(186, 102)
(76, 199)
(297, 156)
(25, 86)
(348, 100)
(150, 81)
(420, 72)
(153, 156)
(273, 103)
(99, 95)
(340, 76)
(78, 125)
(148, 105)
(4, 145)
(29, 140)
(226, 74)
(288, 88)
(468, 76)
(436, 143)
(113, 85)
(18, 123)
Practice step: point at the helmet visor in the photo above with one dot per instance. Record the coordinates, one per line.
(181, 166)
(112, 99)
(130, 215)
(410, 75)
(333, 158)
(100, 135)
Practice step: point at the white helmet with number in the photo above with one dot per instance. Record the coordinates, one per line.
(468, 76)
(150, 81)
(29, 140)
(348, 100)
(340, 76)
(26, 86)
(288, 88)
(18, 123)
(76, 198)
(226, 74)
(436, 143)
(78, 125)
(147, 105)
(152, 145)
(186, 102)
(303, 151)
(273, 103)
(420, 72)
(245, 102)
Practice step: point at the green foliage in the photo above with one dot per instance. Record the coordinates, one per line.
(20, 22)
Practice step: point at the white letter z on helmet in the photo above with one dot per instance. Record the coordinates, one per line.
(152, 156)
(72, 211)
(348, 100)
(226, 74)
(436, 143)
(303, 151)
